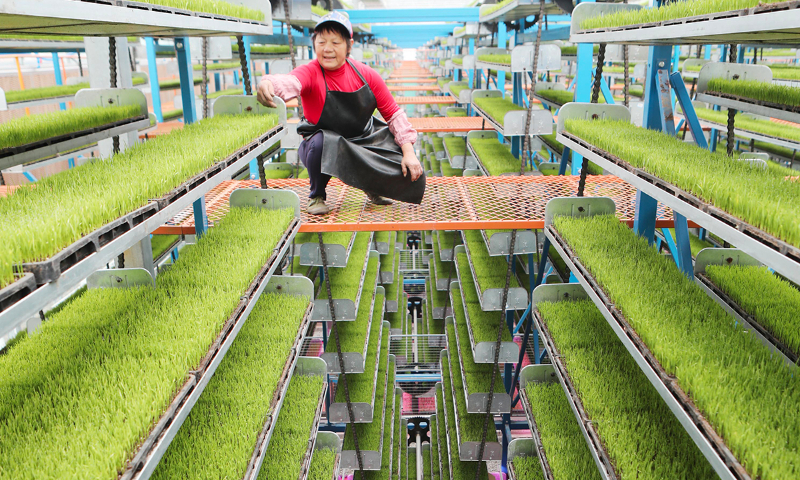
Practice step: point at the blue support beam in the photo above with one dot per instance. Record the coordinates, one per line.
(59, 80)
(186, 74)
(152, 69)
(414, 15)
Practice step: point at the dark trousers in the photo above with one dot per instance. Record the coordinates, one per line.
(310, 152)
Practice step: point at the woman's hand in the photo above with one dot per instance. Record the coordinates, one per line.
(265, 93)
(410, 163)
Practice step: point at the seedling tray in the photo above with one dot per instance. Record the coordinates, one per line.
(490, 298)
(482, 352)
(345, 308)
(19, 288)
(49, 270)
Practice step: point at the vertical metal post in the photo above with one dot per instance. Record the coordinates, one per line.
(200, 217)
(501, 43)
(471, 72)
(583, 89)
(676, 80)
(684, 258)
(152, 69)
(644, 220)
(216, 82)
(186, 75)
(59, 79)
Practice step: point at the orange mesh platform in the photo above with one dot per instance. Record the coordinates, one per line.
(420, 88)
(449, 124)
(450, 203)
(425, 100)
(411, 80)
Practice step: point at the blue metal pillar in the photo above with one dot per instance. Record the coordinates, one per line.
(307, 34)
(186, 75)
(236, 77)
(471, 72)
(200, 217)
(583, 87)
(59, 79)
(29, 176)
(684, 257)
(216, 82)
(501, 43)
(152, 69)
(644, 220)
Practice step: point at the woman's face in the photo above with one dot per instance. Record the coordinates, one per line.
(331, 50)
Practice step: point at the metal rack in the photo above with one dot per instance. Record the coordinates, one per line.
(490, 298)
(483, 352)
(513, 123)
(522, 8)
(532, 446)
(105, 18)
(699, 429)
(48, 293)
(766, 248)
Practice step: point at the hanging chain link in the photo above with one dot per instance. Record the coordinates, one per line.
(526, 139)
(731, 112)
(112, 71)
(288, 21)
(626, 78)
(248, 89)
(335, 334)
(204, 85)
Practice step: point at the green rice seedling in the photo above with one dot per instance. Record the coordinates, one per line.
(161, 243)
(400, 434)
(456, 113)
(470, 424)
(219, 66)
(412, 464)
(642, 437)
(494, 156)
(479, 376)
(317, 10)
(773, 302)
(434, 435)
(573, 50)
(473, 425)
(490, 271)
(218, 437)
(497, 6)
(361, 385)
(322, 464)
(63, 207)
(528, 468)
(670, 11)
(369, 434)
(435, 164)
(176, 83)
(441, 435)
(694, 242)
(562, 439)
(552, 144)
(426, 463)
(778, 52)
(458, 60)
(456, 145)
(44, 92)
(65, 303)
(44, 38)
(114, 350)
(438, 143)
(746, 122)
(442, 81)
(497, 107)
(352, 335)
(496, 58)
(264, 49)
(448, 171)
(753, 89)
(392, 418)
(558, 96)
(438, 299)
(785, 72)
(25, 130)
(172, 114)
(289, 442)
(756, 196)
(336, 238)
(713, 360)
(218, 7)
(367, 55)
(457, 87)
(616, 69)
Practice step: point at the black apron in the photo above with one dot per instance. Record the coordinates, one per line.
(358, 148)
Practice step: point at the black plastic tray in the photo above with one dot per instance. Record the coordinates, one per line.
(20, 288)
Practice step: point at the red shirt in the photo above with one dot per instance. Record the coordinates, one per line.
(345, 79)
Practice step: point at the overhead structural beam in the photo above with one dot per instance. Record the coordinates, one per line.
(411, 36)
(409, 15)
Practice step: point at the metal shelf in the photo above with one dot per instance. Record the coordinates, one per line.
(152, 449)
(499, 243)
(305, 366)
(532, 446)
(23, 45)
(362, 411)
(354, 362)
(764, 247)
(476, 401)
(463, 97)
(791, 144)
(371, 459)
(345, 308)
(58, 158)
(468, 451)
(520, 9)
(521, 59)
(560, 293)
(336, 255)
(514, 121)
(490, 298)
(733, 256)
(770, 24)
(48, 293)
(104, 18)
(699, 429)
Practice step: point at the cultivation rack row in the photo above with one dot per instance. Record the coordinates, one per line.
(491, 298)
(696, 425)
(766, 248)
(743, 104)
(152, 449)
(105, 18)
(532, 373)
(739, 132)
(520, 9)
(346, 309)
(95, 250)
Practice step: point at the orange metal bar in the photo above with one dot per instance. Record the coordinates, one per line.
(449, 124)
(425, 100)
(411, 80)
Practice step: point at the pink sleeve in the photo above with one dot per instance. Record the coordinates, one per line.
(287, 87)
(401, 128)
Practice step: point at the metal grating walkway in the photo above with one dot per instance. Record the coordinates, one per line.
(450, 203)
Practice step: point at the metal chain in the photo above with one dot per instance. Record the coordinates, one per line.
(204, 85)
(248, 89)
(335, 332)
(731, 111)
(294, 65)
(526, 142)
(598, 77)
(495, 366)
(112, 71)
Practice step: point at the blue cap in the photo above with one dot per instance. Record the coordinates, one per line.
(338, 17)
